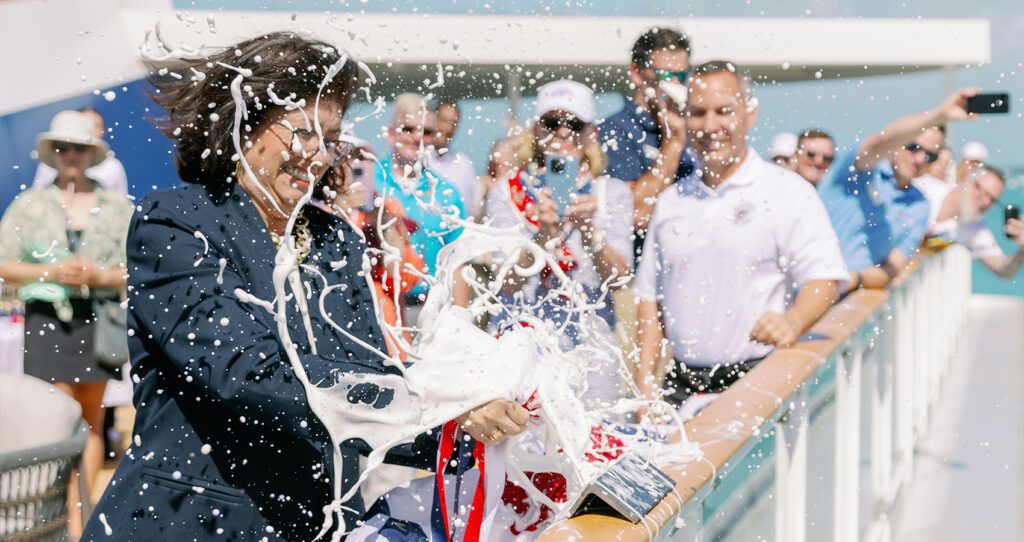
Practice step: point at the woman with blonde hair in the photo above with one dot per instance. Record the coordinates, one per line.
(561, 200)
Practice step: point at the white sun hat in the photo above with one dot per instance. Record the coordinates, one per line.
(974, 150)
(569, 96)
(783, 144)
(70, 127)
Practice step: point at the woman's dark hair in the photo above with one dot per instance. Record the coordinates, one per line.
(201, 111)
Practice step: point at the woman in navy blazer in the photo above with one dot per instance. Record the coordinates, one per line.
(226, 446)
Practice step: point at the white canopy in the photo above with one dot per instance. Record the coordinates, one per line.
(93, 45)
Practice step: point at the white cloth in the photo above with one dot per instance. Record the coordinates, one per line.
(975, 235)
(935, 191)
(109, 173)
(715, 260)
(457, 169)
(613, 217)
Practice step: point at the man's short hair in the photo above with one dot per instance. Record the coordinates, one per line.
(446, 101)
(986, 168)
(409, 104)
(657, 39)
(718, 66)
(814, 133)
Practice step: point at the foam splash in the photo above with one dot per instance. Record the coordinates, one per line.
(453, 366)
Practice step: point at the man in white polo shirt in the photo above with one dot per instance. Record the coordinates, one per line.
(739, 259)
(957, 217)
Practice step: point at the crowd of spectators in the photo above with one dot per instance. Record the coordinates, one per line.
(722, 255)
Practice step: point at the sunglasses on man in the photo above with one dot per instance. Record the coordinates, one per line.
(411, 129)
(929, 156)
(65, 147)
(553, 123)
(669, 75)
(826, 158)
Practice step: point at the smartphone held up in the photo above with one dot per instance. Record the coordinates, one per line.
(989, 103)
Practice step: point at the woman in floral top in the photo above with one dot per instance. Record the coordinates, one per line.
(64, 246)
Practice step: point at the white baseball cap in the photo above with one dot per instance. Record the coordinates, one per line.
(569, 96)
(783, 144)
(70, 127)
(974, 150)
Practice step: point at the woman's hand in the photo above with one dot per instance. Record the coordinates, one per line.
(75, 272)
(495, 421)
(581, 211)
(547, 215)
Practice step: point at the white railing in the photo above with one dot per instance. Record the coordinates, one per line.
(827, 458)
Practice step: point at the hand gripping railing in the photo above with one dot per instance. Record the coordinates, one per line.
(816, 442)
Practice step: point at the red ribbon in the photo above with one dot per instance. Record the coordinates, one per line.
(449, 435)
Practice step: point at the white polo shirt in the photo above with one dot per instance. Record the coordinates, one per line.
(715, 260)
(974, 234)
(935, 191)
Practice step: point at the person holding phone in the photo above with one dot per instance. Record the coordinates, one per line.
(561, 199)
(878, 214)
(646, 140)
(959, 219)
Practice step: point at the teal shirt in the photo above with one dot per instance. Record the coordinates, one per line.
(422, 204)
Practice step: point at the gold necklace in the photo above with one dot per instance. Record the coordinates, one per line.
(303, 239)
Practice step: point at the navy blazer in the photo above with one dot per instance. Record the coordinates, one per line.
(226, 446)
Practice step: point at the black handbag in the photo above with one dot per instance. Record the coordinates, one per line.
(110, 335)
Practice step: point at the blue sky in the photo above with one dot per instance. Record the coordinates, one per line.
(845, 107)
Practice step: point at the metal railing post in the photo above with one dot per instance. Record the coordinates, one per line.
(847, 435)
(791, 471)
(880, 374)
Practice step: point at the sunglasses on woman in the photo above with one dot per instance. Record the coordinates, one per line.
(552, 124)
(929, 156)
(338, 150)
(65, 147)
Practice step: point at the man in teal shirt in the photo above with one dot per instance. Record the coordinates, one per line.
(879, 217)
(424, 196)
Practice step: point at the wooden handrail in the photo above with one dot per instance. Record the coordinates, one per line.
(752, 400)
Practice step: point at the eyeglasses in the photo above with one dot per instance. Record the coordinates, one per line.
(929, 156)
(669, 75)
(553, 123)
(338, 151)
(827, 158)
(427, 132)
(65, 147)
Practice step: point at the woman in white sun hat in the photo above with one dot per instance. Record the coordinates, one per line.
(64, 245)
(109, 173)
